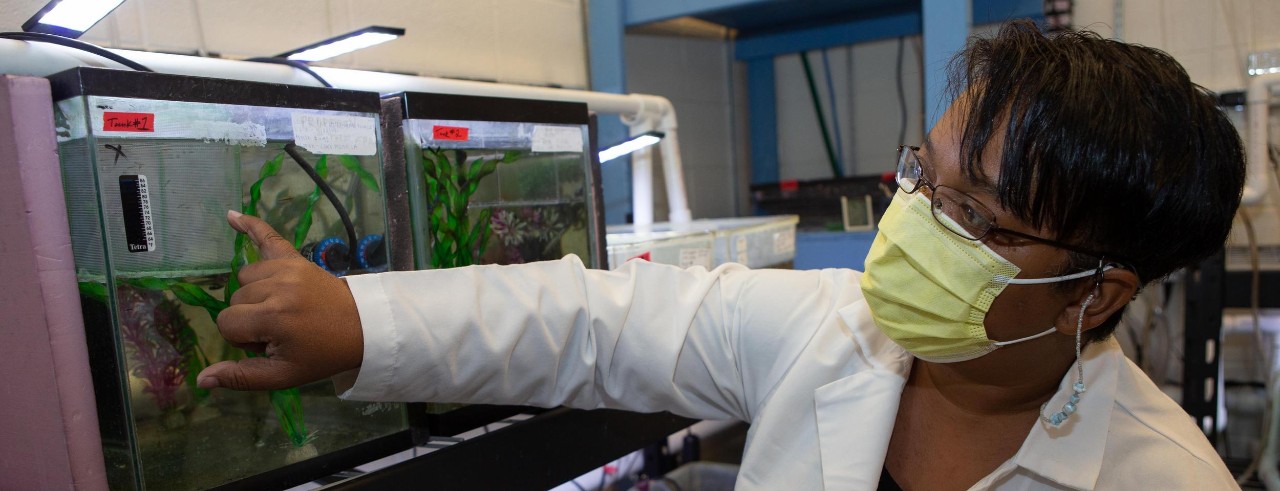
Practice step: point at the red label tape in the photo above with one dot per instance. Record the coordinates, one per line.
(131, 122)
(454, 133)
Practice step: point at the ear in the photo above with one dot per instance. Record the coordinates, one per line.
(1117, 288)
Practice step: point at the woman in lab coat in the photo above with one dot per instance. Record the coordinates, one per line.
(974, 353)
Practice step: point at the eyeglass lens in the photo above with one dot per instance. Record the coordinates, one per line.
(961, 214)
(956, 211)
(909, 169)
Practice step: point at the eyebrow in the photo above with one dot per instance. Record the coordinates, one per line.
(981, 183)
(928, 150)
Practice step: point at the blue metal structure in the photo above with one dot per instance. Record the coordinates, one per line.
(770, 28)
(763, 108)
(947, 23)
(822, 250)
(605, 25)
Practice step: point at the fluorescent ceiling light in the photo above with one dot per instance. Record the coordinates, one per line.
(343, 44)
(69, 18)
(635, 143)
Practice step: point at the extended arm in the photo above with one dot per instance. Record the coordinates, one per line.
(648, 337)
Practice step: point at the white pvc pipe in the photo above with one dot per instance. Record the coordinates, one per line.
(1258, 141)
(637, 110)
(673, 170)
(642, 183)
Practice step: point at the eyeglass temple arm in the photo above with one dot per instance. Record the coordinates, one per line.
(1042, 240)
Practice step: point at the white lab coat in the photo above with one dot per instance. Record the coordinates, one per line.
(795, 353)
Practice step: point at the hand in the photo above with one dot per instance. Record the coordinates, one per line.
(302, 318)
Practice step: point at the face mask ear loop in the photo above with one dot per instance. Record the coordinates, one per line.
(1097, 273)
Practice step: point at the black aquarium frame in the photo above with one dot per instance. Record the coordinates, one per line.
(109, 82)
(106, 367)
(421, 105)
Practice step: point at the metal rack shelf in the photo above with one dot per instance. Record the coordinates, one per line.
(540, 453)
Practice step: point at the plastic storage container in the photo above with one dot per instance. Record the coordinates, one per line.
(684, 248)
(757, 242)
(151, 164)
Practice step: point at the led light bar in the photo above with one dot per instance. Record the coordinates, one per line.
(635, 143)
(1264, 62)
(69, 18)
(341, 45)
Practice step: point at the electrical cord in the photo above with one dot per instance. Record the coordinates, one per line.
(39, 37)
(902, 96)
(295, 64)
(836, 170)
(1255, 283)
(292, 150)
(852, 108)
(835, 108)
(1255, 280)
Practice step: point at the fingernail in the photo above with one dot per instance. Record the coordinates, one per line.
(207, 383)
(233, 218)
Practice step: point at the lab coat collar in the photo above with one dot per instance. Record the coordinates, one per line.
(855, 414)
(1071, 455)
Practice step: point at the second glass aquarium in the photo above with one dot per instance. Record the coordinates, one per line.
(151, 164)
(500, 181)
(492, 181)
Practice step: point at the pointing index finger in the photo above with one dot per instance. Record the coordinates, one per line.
(271, 245)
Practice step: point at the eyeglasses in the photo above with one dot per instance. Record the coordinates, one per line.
(958, 212)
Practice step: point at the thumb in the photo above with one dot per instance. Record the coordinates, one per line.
(246, 374)
(270, 244)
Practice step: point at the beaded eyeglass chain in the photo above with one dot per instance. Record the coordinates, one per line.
(1078, 388)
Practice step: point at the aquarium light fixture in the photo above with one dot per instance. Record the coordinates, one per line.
(69, 18)
(635, 143)
(341, 45)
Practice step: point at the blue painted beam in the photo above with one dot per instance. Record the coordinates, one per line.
(762, 100)
(946, 25)
(639, 12)
(840, 34)
(994, 11)
(608, 74)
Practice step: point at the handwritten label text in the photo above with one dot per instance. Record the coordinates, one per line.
(450, 133)
(130, 122)
(335, 135)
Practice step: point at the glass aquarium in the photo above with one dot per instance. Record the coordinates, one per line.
(498, 181)
(151, 164)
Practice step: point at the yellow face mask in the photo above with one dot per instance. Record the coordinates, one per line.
(929, 290)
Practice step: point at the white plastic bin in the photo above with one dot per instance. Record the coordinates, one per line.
(757, 242)
(684, 249)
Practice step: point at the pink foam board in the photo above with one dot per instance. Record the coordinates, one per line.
(48, 422)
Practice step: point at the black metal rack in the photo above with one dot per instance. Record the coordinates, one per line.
(540, 453)
(1210, 289)
(1202, 336)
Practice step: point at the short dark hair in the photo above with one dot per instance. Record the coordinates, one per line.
(1107, 145)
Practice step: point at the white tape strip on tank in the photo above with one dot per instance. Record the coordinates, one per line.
(335, 135)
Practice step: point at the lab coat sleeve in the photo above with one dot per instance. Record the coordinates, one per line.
(646, 337)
